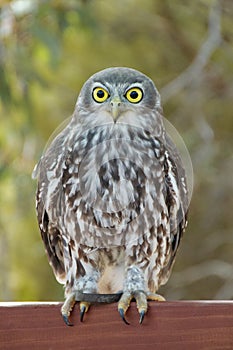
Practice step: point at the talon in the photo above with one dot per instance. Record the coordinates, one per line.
(141, 300)
(82, 312)
(124, 304)
(142, 314)
(122, 314)
(66, 320)
(84, 306)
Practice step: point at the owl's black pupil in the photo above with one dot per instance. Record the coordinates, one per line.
(100, 93)
(134, 95)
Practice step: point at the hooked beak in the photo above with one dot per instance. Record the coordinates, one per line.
(115, 105)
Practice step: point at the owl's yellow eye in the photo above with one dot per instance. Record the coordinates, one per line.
(134, 95)
(100, 94)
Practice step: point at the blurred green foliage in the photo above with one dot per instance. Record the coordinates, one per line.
(47, 50)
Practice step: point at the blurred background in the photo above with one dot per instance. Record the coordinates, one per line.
(47, 50)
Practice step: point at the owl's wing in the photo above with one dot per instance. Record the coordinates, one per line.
(49, 171)
(176, 198)
(52, 241)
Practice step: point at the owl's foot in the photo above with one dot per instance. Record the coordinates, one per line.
(141, 298)
(67, 307)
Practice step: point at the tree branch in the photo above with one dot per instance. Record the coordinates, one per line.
(193, 72)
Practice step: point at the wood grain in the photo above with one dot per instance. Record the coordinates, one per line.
(169, 325)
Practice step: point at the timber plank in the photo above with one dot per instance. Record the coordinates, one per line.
(191, 325)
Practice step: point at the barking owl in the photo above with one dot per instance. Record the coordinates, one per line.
(112, 196)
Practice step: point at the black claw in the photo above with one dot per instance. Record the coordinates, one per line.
(122, 314)
(66, 320)
(142, 314)
(82, 313)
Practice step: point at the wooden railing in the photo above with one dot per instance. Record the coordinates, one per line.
(191, 325)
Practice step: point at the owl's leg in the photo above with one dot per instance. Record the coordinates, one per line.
(83, 284)
(134, 288)
(86, 284)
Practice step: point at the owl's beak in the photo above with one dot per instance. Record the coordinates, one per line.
(115, 105)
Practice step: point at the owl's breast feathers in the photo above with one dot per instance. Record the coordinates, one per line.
(101, 187)
(109, 179)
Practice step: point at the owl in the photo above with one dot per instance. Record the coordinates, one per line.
(112, 198)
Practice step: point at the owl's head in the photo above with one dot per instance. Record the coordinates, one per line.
(119, 95)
